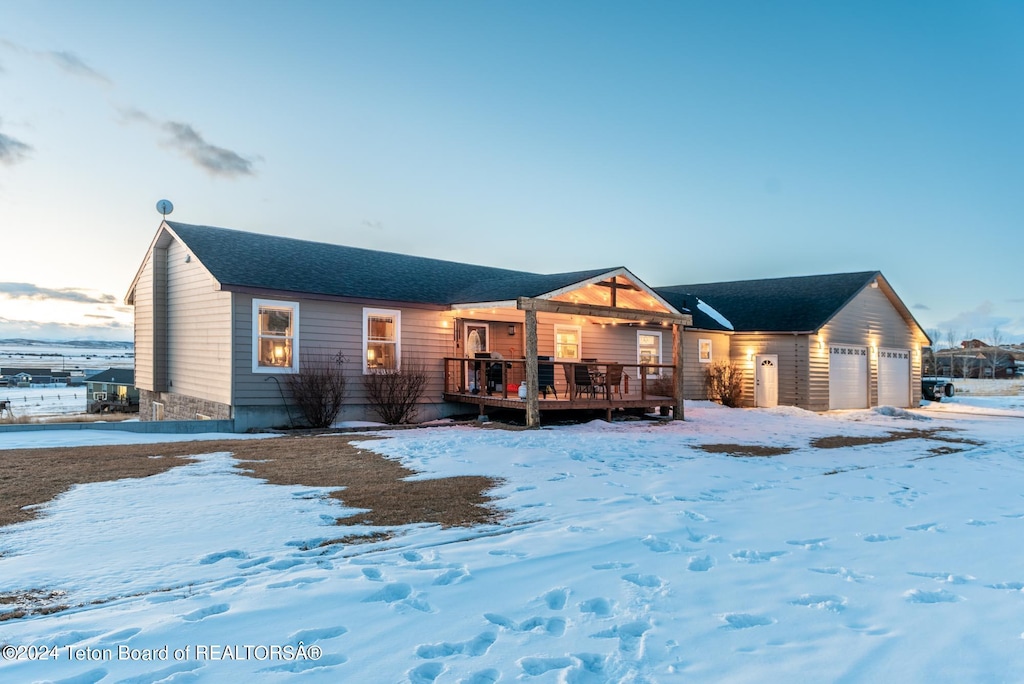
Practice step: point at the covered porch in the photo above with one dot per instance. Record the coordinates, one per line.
(588, 357)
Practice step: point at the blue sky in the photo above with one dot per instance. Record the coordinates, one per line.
(689, 141)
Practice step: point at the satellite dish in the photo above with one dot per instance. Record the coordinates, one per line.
(164, 207)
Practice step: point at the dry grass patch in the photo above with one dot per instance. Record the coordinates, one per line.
(938, 434)
(362, 479)
(744, 450)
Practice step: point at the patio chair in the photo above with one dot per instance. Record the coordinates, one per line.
(546, 376)
(612, 381)
(583, 381)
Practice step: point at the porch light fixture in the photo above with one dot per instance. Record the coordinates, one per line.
(511, 330)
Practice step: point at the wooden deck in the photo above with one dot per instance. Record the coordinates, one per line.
(631, 392)
(496, 400)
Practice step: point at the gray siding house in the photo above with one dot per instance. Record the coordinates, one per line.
(222, 316)
(841, 341)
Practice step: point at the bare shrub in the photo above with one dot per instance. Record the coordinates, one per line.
(724, 384)
(318, 389)
(394, 392)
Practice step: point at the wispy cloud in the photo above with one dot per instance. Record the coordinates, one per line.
(190, 143)
(67, 294)
(51, 330)
(12, 150)
(72, 64)
(215, 160)
(66, 61)
(980, 322)
(922, 307)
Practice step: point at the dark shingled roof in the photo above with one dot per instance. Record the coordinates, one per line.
(252, 260)
(797, 304)
(118, 376)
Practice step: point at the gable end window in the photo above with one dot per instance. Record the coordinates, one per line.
(382, 340)
(275, 336)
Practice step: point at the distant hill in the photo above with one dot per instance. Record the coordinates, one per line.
(75, 344)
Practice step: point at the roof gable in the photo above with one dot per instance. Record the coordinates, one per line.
(796, 304)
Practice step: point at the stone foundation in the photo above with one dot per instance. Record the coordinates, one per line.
(181, 407)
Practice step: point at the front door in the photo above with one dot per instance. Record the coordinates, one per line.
(766, 380)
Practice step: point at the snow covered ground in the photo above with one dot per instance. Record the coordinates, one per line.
(629, 555)
(45, 400)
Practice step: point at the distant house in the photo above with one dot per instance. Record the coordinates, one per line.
(823, 342)
(34, 376)
(112, 384)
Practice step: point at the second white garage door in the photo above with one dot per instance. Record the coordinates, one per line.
(847, 377)
(894, 377)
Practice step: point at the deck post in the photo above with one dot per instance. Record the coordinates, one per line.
(532, 388)
(677, 371)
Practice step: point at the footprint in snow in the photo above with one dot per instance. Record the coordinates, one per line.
(829, 602)
(120, 636)
(979, 523)
(809, 544)
(254, 562)
(599, 607)
(658, 545)
(373, 574)
(203, 613)
(745, 621)
(390, 593)
(535, 667)
(613, 565)
(924, 527)
(452, 576)
(940, 596)
(508, 552)
(488, 676)
(630, 635)
(1009, 586)
(285, 563)
(556, 598)
(844, 573)
(747, 556)
(876, 538)
(646, 581)
(310, 636)
(426, 673)
(474, 647)
(214, 557)
(163, 675)
(700, 563)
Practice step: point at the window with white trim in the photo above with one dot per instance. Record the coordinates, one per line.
(382, 342)
(275, 336)
(648, 351)
(568, 342)
(704, 351)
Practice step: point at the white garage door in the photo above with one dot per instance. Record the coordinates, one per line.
(894, 377)
(847, 377)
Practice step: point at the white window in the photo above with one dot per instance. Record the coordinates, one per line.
(648, 351)
(382, 344)
(704, 351)
(567, 342)
(275, 336)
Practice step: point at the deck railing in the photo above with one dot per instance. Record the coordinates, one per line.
(576, 380)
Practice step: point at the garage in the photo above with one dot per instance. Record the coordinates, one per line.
(847, 377)
(894, 377)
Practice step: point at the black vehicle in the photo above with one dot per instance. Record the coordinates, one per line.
(934, 389)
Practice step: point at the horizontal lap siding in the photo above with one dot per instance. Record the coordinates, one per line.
(332, 327)
(144, 327)
(871, 320)
(198, 330)
(792, 353)
(694, 371)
